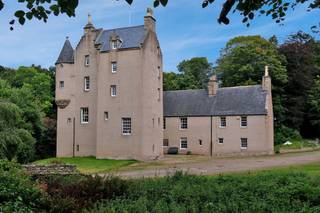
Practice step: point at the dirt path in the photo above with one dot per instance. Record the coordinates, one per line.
(201, 165)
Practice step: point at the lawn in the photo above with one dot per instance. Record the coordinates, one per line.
(311, 169)
(89, 165)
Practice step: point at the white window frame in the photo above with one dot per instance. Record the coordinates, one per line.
(84, 116)
(243, 140)
(106, 115)
(220, 139)
(245, 121)
(86, 82)
(184, 139)
(182, 127)
(87, 60)
(61, 84)
(113, 90)
(126, 126)
(223, 122)
(114, 45)
(114, 67)
(166, 144)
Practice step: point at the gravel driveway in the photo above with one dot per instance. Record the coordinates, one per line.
(201, 165)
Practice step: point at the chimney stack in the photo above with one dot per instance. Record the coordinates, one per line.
(89, 26)
(149, 20)
(266, 80)
(212, 86)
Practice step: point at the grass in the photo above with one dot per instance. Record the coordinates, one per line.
(311, 169)
(89, 165)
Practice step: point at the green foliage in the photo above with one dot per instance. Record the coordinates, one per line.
(283, 134)
(38, 83)
(314, 103)
(242, 62)
(17, 192)
(193, 74)
(300, 52)
(75, 192)
(15, 142)
(263, 192)
(32, 90)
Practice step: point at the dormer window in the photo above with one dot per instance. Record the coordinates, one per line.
(114, 45)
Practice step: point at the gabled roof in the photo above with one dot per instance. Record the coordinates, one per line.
(131, 37)
(248, 100)
(66, 54)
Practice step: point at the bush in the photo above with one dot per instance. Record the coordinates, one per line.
(271, 192)
(283, 134)
(17, 192)
(75, 192)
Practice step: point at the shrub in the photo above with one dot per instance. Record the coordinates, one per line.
(17, 192)
(283, 134)
(271, 192)
(75, 192)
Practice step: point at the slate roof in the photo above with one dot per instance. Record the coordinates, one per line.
(248, 100)
(131, 37)
(66, 54)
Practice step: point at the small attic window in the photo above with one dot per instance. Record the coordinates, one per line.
(115, 44)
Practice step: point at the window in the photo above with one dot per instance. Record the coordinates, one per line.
(164, 123)
(84, 115)
(165, 142)
(106, 115)
(126, 126)
(183, 143)
(61, 84)
(223, 121)
(159, 72)
(244, 121)
(114, 45)
(87, 60)
(159, 94)
(244, 143)
(113, 67)
(78, 147)
(69, 120)
(113, 90)
(184, 123)
(220, 140)
(200, 142)
(86, 83)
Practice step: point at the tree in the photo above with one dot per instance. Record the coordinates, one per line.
(39, 82)
(15, 141)
(248, 9)
(314, 104)
(30, 110)
(300, 54)
(193, 74)
(242, 62)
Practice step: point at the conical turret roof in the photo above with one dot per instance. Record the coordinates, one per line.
(66, 54)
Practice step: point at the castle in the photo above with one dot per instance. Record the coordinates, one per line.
(111, 103)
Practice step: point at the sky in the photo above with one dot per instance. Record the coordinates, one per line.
(184, 29)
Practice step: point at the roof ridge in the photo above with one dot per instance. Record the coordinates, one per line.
(184, 90)
(247, 86)
(122, 28)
